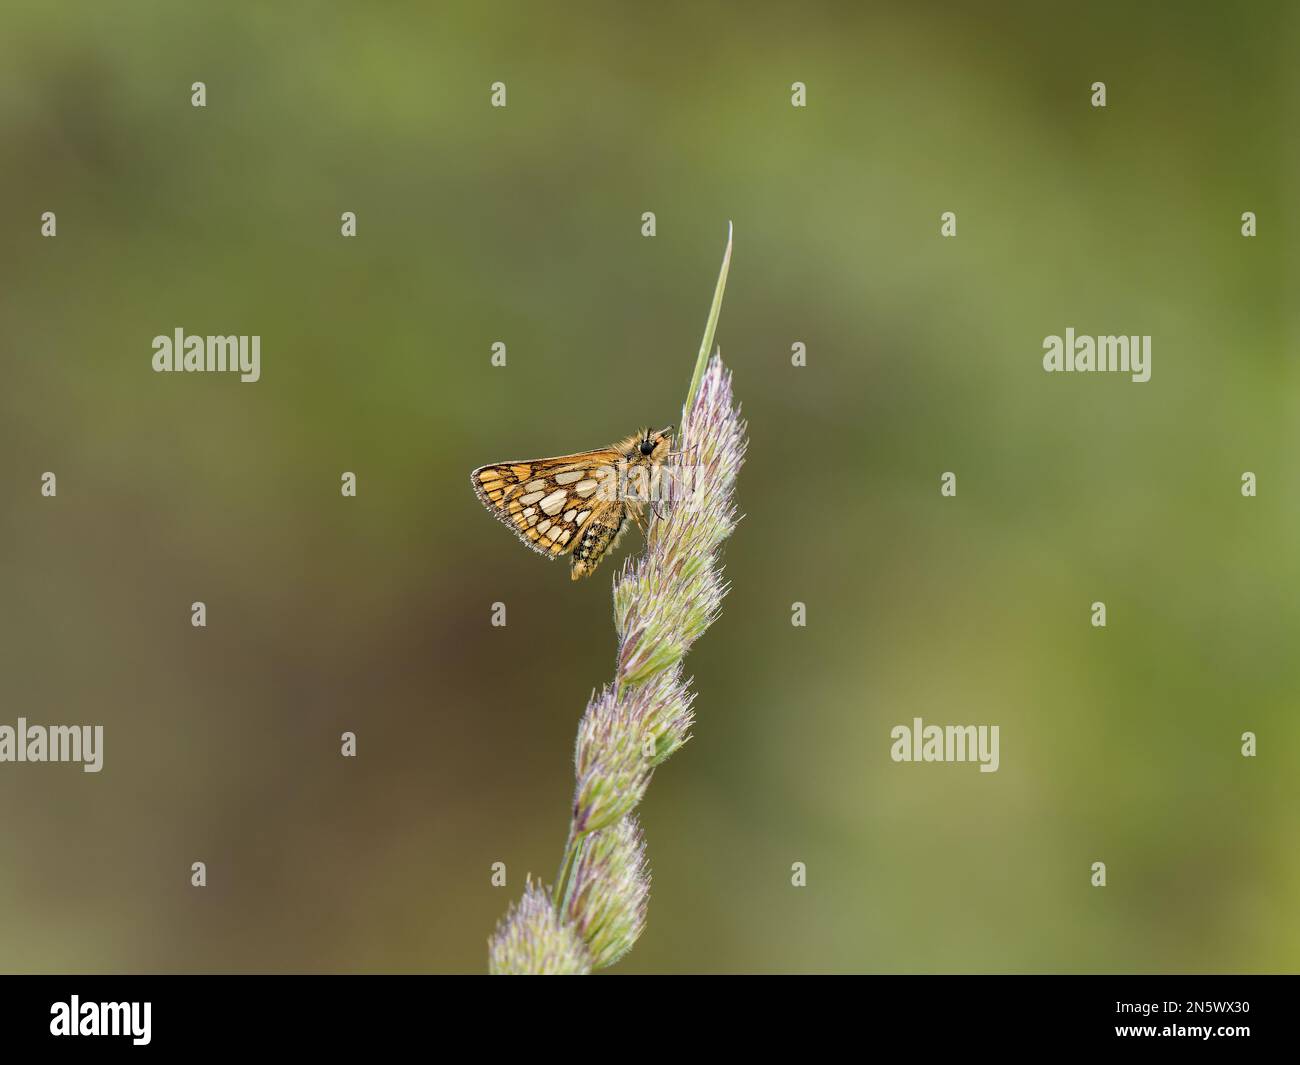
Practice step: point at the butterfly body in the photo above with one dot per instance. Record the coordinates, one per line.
(579, 504)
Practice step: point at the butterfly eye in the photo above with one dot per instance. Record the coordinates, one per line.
(647, 446)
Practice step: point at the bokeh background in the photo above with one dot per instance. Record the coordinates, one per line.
(523, 225)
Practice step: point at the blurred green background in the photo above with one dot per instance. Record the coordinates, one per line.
(523, 225)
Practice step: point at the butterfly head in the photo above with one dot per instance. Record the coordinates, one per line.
(654, 445)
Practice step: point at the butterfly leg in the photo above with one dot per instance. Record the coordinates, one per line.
(635, 512)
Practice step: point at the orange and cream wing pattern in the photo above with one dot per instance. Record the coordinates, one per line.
(549, 502)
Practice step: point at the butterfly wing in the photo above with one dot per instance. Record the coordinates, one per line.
(550, 502)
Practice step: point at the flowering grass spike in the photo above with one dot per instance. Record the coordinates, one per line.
(663, 602)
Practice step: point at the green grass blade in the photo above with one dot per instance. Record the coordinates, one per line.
(710, 327)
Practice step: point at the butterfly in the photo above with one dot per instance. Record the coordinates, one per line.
(576, 505)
